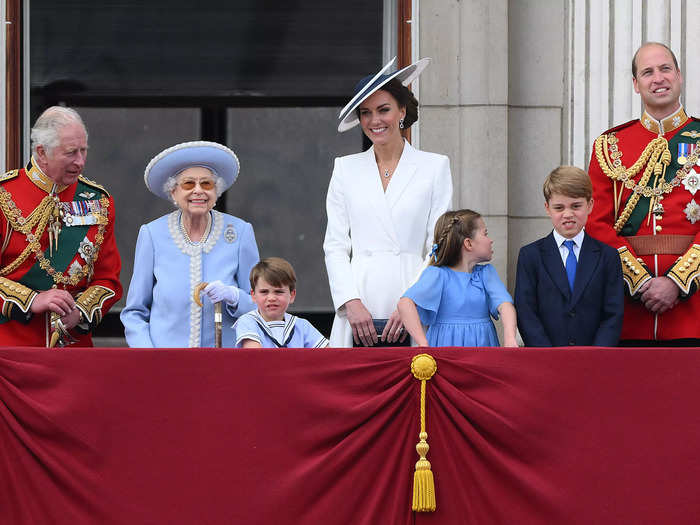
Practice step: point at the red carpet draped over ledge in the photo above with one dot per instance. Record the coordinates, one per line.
(583, 436)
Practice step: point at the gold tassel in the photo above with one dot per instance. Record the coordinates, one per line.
(423, 367)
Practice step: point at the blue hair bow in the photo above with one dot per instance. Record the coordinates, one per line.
(433, 252)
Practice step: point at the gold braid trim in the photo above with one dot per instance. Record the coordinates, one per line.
(9, 175)
(633, 271)
(655, 156)
(686, 270)
(40, 217)
(16, 293)
(91, 300)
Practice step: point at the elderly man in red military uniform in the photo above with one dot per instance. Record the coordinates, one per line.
(645, 176)
(59, 264)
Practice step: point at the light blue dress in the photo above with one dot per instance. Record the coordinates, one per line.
(160, 310)
(292, 332)
(457, 306)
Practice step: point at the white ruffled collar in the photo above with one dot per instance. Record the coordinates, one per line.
(191, 248)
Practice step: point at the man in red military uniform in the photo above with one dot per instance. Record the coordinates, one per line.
(59, 264)
(645, 176)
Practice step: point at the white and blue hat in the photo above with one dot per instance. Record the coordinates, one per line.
(368, 85)
(201, 153)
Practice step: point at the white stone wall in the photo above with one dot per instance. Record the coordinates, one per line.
(599, 77)
(519, 87)
(464, 99)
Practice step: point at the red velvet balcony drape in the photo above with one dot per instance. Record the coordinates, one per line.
(328, 437)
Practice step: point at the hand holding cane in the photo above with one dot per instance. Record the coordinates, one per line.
(218, 319)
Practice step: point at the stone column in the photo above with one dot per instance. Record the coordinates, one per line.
(518, 87)
(603, 37)
(536, 48)
(464, 97)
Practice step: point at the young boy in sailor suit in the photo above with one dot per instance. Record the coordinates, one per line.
(273, 289)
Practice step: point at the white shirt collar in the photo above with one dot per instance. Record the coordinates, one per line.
(578, 239)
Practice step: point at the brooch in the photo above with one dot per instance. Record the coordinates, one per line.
(86, 250)
(230, 233)
(691, 182)
(692, 211)
(74, 268)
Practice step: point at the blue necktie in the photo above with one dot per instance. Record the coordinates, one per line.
(570, 263)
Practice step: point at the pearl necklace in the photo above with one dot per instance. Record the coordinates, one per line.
(204, 235)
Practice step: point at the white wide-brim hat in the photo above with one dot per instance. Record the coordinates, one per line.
(173, 160)
(370, 84)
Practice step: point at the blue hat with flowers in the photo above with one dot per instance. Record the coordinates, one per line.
(216, 157)
(372, 83)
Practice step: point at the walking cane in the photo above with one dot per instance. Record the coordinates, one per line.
(218, 320)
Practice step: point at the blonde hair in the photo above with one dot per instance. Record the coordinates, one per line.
(569, 181)
(276, 271)
(451, 229)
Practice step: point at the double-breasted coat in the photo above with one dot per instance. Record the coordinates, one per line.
(375, 240)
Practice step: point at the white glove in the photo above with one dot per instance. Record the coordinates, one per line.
(218, 291)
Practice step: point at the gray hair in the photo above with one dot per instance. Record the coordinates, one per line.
(171, 182)
(50, 122)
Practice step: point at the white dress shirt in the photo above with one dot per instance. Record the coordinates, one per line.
(563, 250)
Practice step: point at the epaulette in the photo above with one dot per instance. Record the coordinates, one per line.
(621, 126)
(9, 175)
(93, 184)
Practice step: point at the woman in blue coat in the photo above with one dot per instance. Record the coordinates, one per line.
(193, 244)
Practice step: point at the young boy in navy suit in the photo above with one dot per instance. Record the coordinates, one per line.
(568, 287)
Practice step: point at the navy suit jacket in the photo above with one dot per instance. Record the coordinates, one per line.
(550, 315)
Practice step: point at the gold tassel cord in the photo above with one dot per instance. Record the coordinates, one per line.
(423, 367)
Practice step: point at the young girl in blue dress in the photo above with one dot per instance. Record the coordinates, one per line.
(456, 296)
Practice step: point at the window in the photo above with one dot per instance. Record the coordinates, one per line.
(267, 78)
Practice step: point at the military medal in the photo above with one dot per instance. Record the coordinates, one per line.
(82, 213)
(684, 151)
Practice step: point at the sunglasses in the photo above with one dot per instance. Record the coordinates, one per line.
(205, 184)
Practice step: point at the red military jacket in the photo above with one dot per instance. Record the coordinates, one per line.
(645, 175)
(83, 259)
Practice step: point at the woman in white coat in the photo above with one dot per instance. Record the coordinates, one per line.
(382, 207)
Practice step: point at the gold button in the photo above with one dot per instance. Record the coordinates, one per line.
(626, 259)
(658, 228)
(694, 255)
(636, 272)
(681, 269)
